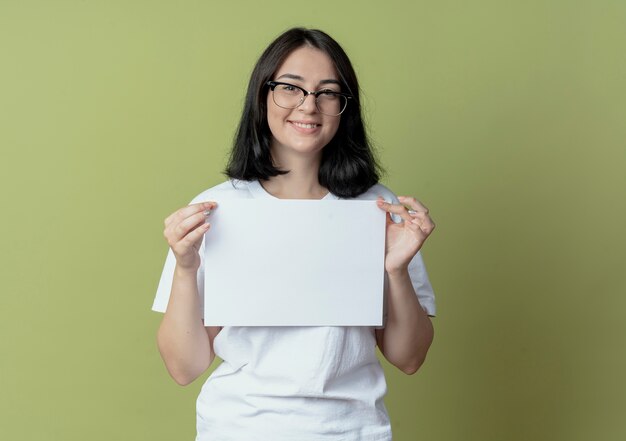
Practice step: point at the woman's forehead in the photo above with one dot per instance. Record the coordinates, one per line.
(307, 64)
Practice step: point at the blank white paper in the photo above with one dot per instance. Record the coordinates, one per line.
(294, 263)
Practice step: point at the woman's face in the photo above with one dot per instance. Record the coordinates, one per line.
(303, 130)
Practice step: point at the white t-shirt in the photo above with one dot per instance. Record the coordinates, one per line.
(293, 383)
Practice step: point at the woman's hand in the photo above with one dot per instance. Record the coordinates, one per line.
(405, 239)
(184, 230)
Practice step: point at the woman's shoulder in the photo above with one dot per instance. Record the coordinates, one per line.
(376, 191)
(230, 189)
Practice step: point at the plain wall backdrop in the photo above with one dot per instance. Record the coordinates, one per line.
(506, 118)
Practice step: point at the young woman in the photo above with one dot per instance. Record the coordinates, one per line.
(301, 136)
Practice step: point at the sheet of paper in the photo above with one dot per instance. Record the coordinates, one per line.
(294, 263)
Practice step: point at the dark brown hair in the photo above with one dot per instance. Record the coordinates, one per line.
(348, 167)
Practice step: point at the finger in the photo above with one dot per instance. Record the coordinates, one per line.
(419, 214)
(186, 211)
(425, 223)
(413, 203)
(174, 233)
(189, 210)
(180, 230)
(195, 236)
(388, 218)
(398, 209)
(414, 227)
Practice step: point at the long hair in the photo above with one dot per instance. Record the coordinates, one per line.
(348, 166)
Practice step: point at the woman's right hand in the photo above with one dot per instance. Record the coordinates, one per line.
(184, 230)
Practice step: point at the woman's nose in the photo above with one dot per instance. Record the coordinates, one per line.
(308, 105)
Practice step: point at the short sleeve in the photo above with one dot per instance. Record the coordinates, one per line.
(421, 284)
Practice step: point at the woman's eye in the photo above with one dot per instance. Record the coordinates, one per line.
(328, 94)
(287, 88)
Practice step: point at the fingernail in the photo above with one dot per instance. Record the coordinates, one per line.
(207, 213)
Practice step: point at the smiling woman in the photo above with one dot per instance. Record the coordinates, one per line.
(302, 131)
(347, 167)
(301, 136)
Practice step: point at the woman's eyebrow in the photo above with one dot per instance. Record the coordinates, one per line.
(299, 78)
(291, 76)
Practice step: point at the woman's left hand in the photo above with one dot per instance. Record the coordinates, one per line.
(405, 239)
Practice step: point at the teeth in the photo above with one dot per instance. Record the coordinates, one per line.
(305, 126)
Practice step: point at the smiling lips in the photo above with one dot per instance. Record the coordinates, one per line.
(305, 127)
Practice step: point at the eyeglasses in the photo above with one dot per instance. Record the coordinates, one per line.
(290, 96)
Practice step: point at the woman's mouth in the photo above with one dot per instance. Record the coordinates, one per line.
(303, 125)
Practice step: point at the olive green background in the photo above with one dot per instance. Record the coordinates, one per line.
(506, 118)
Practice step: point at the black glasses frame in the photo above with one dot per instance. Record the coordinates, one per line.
(272, 85)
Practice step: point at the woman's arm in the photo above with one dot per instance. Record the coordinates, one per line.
(186, 346)
(409, 332)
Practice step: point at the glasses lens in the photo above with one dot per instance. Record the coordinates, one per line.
(287, 96)
(330, 103)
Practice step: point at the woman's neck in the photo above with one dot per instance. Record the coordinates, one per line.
(300, 183)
